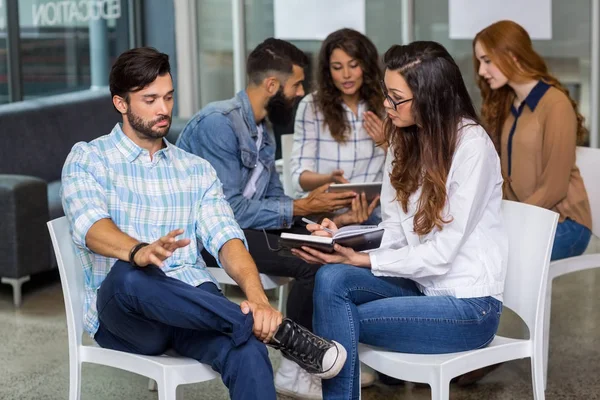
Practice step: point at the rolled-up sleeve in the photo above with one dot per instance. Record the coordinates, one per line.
(216, 224)
(82, 191)
(470, 188)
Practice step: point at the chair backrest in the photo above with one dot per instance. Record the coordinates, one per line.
(530, 238)
(287, 142)
(588, 161)
(71, 278)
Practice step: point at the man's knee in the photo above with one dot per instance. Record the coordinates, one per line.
(124, 276)
(251, 352)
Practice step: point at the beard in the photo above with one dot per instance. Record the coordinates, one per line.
(145, 128)
(280, 108)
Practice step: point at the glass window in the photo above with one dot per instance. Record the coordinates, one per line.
(70, 45)
(382, 26)
(215, 48)
(567, 53)
(383, 22)
(3, 56)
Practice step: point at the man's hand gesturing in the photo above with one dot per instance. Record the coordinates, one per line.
(156, 252)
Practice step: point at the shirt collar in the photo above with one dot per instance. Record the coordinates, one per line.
(361, 107)
(534, 97)
(247, 112)
(132, 151)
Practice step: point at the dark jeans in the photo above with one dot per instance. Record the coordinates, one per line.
(143, 311)
(571, 239)
(352, 305)
(299, 303)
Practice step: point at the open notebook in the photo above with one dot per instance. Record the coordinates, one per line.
(358, 237)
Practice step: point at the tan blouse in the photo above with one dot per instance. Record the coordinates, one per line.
(538, 155)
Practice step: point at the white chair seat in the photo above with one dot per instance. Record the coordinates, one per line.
(573, 264)
(531, 235)
(414, 367)
(181, 370)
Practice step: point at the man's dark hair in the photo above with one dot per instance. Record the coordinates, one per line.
(135, 69)
(273, 56)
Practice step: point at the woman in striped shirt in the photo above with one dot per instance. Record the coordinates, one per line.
(339, 131)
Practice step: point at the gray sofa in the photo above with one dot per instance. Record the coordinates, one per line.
(37, 136)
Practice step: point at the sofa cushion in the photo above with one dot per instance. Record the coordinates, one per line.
(46, 129)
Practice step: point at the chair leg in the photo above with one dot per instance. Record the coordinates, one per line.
(546, 333)
(16, 285)
(440, 390)
(74, 379)
(179, 392)
(281, 302)
(152, 385)
(537, 376)
(169, 391)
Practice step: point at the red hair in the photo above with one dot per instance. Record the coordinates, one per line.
(508, 45)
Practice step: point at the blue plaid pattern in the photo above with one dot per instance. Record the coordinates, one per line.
(111, 177)
(316, 150)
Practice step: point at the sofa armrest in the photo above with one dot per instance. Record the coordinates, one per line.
(25, 246)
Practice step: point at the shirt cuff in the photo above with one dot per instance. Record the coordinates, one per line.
(286, 211)
(82, 225)
(385, 262)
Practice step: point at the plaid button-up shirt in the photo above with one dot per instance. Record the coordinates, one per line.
(112, 177)
(317, 151)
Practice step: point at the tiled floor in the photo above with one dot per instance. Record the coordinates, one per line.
(34, 364)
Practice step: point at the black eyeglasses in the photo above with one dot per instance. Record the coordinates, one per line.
(395, 104)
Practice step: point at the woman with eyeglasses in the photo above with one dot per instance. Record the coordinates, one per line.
(338, 135)
(435, 285)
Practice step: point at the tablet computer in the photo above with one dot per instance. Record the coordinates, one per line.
(371, 189)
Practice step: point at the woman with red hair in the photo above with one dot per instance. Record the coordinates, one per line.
(536, 126)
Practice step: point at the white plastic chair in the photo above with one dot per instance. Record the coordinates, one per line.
(287, 141)
(269, 282)
(531, 234)
(588, 161)
(169, 372)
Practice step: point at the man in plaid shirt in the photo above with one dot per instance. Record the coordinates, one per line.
(140, 211)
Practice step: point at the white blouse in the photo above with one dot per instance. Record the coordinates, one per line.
(316, 150)
(468, 257)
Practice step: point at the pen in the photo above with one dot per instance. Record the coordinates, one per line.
(308, 221)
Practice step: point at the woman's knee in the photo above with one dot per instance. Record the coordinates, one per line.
(335, 278)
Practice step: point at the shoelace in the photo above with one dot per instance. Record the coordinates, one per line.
(305, 346)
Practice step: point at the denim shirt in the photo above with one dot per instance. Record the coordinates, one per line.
(224, 133)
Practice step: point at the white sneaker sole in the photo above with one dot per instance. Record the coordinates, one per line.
(337, 365)
(296, 395)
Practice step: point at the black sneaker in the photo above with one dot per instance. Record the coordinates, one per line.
(320, 357)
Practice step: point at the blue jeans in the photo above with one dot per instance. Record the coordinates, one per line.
(143, 311)
(352, 305)
(571, 239)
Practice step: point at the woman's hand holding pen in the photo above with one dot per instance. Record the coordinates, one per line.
(341, 254)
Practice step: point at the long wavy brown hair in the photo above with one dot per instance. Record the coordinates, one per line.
(508, 45)
(423, 152)
(329, 98)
